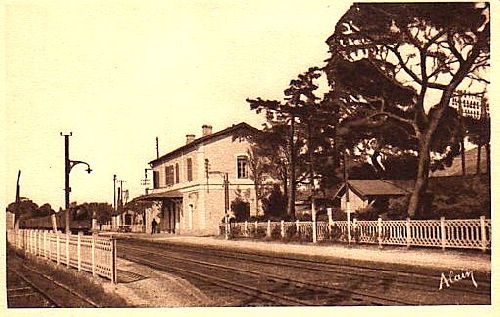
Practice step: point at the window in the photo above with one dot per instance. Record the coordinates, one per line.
(242, 165)
(169, 175)
(177, 176)
(189, 169)
(156, 179)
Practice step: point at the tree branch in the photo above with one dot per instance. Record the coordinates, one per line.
(453, 49)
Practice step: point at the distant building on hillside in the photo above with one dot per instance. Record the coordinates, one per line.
(471, 105)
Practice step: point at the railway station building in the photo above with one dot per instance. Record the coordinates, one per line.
(188, 195)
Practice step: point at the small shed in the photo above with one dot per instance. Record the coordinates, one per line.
(374, 192)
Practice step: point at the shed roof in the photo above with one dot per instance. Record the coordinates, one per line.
(378, 187)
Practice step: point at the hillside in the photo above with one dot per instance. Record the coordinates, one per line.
(470, 164)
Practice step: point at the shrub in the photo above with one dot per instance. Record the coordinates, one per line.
(397, 209)
(241, 209)
(275, 203)
(291, 233)
(259, 233)
(306, 236)
(276, 232)
(335, 233)
(303, 217)
(236, 231)
(367, 213)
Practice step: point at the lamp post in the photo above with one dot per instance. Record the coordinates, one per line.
(68, 165)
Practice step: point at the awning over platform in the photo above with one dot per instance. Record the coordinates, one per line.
(160, 196)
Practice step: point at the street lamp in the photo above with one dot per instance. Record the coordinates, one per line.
(68, 165)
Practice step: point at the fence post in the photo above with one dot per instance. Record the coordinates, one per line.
(246, 228)
(314, 229)
(355, 231)
(35, 242)
(114, 277)
(78, 251)
(443, 233)
(45, 244)
(29, 241)
(297, 226)
(25, 240)
(408, 233)
(227, 226)
(282, 228)
(483, 233)
(58, 248)
(67, 249)
(39, 243)
(32, 242)
(93, 254)
(330, 220)
(268, 231)
(255, 233)
(49, 245)
(379, 231)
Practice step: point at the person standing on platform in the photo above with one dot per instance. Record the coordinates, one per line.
(153, 226)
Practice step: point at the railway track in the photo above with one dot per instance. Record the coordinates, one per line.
(259, 289)
(32, 289)
(402, 286)
(319, 283)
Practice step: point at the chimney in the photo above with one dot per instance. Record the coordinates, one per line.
(206, 130)
(189, 138)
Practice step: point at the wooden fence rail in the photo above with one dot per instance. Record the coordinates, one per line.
(457, 233)
(86, 253)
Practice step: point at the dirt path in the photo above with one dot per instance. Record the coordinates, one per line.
(144, 287)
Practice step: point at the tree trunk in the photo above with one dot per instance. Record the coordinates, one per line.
(422, 177)
(478, 162)
(257, 197)
(291, 179)
(488, 158)
(462, 136)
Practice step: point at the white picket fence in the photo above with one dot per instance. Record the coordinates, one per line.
(86, 253)
(456, 233)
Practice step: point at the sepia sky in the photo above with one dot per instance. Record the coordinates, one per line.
(119, 73)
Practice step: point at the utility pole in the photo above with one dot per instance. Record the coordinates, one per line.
(225, 185)
(18, 201)
(157, 150)
(114, 192)
(226, 193)
(120, 193)
(68, 165)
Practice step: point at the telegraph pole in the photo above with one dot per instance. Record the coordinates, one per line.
(120, 193)
(114, 192)
(18, 200)
(157, 150)
(68, 165)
